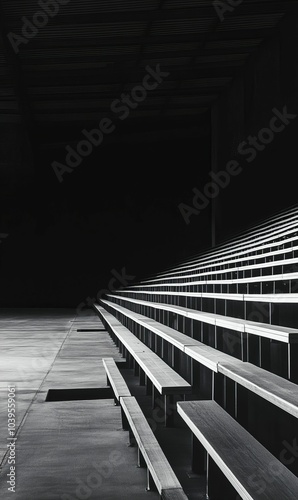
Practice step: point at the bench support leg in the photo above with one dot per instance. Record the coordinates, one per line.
(225, 392)
(131, 438)
(148, 387)
(141, 461)
(242, 345)
(289, 362)
(207, 475)
(125, 424)
(169, 410)
(236, 401)
(173, 360)
(217, 485)
(212, 385)
(162, 348)
(130, 360)
(292, 363)
(151, 340)
(141, 377)
(153, 397)
(150, 482)
(260, 352)
(198, 456)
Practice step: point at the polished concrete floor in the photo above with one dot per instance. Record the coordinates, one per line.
(74, 449)
(65, 450)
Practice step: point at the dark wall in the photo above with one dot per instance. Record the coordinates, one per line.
(117, 210)
(267, 183)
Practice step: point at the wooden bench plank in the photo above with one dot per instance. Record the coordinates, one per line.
(198, 295)
(240, 456)
(277, 298)
(116, 380)
(165, 379)
(232, 260)
(275, 389)
(275, 332)
(289, 335)
(123, 333)
(228, 270)
(274, 298)
(176, 338)
(235, 281)
(157, 463)
(207, 356)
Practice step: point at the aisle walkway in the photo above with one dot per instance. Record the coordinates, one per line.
(67, 449)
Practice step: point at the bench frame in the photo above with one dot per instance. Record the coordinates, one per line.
(130, 423)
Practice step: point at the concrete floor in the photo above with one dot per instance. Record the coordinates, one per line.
(65, 450)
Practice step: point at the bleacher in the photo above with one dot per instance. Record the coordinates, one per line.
(218, 335)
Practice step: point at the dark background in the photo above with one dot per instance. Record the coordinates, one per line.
(119, 208)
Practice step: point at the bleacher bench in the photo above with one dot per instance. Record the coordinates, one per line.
(166, 381)
(248, 466)
(149, 449)
(275, 389)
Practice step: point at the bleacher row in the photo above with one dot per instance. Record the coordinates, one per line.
(217, 337)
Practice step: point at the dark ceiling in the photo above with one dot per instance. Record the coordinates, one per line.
(66, 76)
